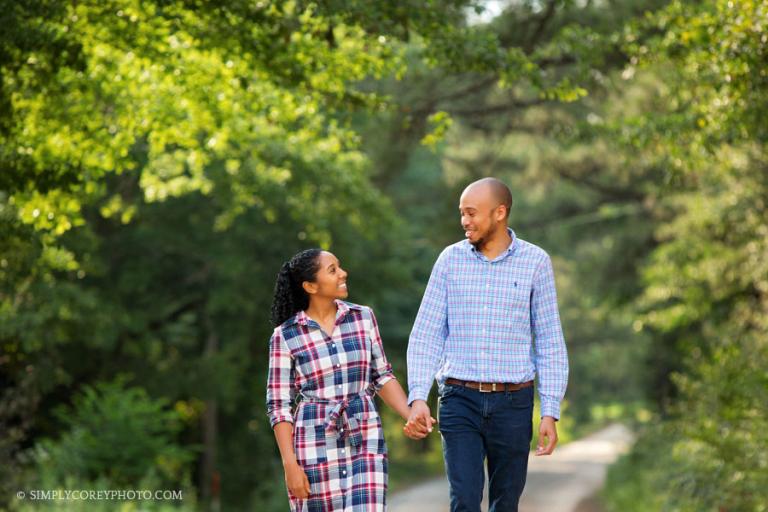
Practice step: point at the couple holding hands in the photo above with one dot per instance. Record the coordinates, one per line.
(488, 324)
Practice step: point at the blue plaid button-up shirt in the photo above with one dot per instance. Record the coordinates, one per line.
(490, 321)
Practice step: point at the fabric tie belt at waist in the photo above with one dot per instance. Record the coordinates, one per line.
(338, 418)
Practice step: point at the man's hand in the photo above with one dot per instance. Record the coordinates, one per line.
(420, 421)
(548, 431)
(296, 480)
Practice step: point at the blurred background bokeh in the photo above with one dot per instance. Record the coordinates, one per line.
(160, 159)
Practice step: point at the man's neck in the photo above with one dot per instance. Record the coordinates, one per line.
(496, 244)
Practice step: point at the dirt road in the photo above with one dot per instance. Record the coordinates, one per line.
(555, 484)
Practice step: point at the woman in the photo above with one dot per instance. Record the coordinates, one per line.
(330, 353)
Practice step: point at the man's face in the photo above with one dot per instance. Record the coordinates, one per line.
(480, 215)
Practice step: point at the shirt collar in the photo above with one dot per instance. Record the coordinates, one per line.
(342, 308)
(504, 254)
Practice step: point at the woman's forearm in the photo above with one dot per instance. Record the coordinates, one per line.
(284, 437)
(393, 395)
(295, 478)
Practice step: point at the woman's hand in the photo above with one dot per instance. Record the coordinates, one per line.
(420, 421)
(296, 481)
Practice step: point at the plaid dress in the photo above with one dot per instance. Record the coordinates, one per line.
(337, 434)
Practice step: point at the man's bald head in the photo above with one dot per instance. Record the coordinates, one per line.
(496, 189)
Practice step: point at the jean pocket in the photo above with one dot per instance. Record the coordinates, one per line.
(447, 390)
(520, 399)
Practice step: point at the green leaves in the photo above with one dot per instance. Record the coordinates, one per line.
(718, 47)
(164, 159)
(116, 432)
(706, 282)
(440, 122)
(155, 96)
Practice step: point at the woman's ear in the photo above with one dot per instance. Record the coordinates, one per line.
(310, 288)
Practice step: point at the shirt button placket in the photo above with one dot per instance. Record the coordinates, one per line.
(336, 365)
(487, 319)
(486, 296)
(343, 476)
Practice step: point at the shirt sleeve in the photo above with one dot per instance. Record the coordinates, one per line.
(551, 357)
(381, 370)
(427, 339)
(281, 387)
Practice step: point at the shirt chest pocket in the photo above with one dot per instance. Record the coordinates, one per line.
(355, 349)
(308, 361)
(515, 304)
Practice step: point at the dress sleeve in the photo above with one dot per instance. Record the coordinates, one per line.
(281, 387)
(381, 370)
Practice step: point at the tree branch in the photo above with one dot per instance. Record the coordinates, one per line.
(562, 60)
(623, 194)
(542, 24)
(435, 101)
(470, 89)
(497, 109)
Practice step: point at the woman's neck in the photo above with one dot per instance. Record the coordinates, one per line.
(321, 309)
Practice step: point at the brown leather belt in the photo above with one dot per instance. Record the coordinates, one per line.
(489, 387)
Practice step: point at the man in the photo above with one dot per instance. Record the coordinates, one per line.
(488, 323)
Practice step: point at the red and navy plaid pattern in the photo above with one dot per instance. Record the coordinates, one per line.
(337, 437)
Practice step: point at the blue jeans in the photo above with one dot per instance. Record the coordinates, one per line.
(475, 425)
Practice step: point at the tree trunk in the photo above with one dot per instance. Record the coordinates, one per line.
(209, 475)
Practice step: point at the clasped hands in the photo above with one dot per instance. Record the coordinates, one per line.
(420, 421)
(420, 424)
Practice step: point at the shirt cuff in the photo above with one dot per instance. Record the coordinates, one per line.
(417, 393)
(280, 416)
(379, 383)
(550, 408)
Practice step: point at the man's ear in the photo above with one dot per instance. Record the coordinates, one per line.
(310, 288)
(501, 212)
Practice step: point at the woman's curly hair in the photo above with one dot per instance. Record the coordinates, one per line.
(290, 297)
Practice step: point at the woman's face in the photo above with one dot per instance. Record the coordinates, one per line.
(330, 281)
